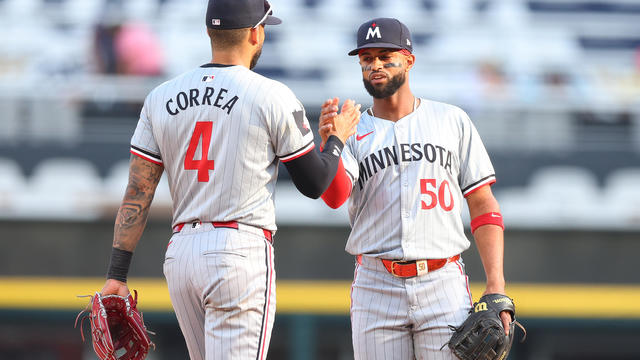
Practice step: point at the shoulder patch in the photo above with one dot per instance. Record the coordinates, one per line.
(301, 122)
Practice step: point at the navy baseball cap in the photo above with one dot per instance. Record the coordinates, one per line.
(238, 14)
(383, 33)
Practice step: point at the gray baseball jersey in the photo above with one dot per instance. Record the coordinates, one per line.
(409, 179)
(220, 131)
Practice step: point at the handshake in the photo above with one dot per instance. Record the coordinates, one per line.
(342, 124)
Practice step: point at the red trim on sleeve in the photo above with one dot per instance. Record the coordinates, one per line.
(299, 154)
(339, 190)
(146, 158)
(479, 187)
(490, 218)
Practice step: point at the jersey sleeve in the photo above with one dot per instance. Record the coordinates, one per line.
(143, 143)
(289, 128)
(350, 162)
(476, 169)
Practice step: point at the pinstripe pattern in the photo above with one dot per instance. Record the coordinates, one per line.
(263, 339)
(406, 204)
(222, 286)
(385, 210)
(220, 132)
(395, 318)
(247, 142)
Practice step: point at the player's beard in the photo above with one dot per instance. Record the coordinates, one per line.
(387, 90)
(254, 59)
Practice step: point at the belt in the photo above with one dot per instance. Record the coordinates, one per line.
(416, 267)
(224, 224)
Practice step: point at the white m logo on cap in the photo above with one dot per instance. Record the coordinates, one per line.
(373, 32)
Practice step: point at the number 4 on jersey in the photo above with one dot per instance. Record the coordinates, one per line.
(203, 165)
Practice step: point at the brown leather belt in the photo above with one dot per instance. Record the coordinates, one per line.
(416, 267)
(224, 224)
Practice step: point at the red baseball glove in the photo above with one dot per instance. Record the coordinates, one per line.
(117, 327)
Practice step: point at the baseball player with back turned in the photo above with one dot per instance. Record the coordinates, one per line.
(408, 169)
(219, 131)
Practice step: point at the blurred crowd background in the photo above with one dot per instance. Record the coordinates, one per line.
(553, 87)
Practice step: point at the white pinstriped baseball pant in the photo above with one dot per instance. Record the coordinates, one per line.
(406, 318)
(222, 287)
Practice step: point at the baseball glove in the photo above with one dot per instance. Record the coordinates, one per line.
(481, 336)
(117, 327)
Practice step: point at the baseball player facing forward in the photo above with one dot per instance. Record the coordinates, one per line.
(408, 169)
(219, 132)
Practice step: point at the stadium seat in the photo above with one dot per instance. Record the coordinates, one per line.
(84, 13)
(62, 188)
(9, 121)
(623, 181)
(20, 9)
(142, 10)
(564, 195)
(562, 180)
(295, 43)
(621, 198)
(408, 12)
(184, 12)
(514, 205)
(190, 42)
(162, 197)
(115, 185)
(288, 10)
(12, 177)
(556, 197)
(12, 185)
(65, 174)
(340, 10)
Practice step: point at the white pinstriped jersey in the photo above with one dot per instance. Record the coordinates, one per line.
(409, 180)
(220, 131)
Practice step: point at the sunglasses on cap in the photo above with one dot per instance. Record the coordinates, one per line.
(268, 11)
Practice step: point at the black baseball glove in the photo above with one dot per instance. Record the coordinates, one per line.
(481, 336)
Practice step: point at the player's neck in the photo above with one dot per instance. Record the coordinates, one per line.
(231, 58)
(396, 106)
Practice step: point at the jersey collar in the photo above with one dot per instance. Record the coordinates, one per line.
(208, 65)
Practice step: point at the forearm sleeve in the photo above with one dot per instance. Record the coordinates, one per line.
(313, 172)
(339, 189)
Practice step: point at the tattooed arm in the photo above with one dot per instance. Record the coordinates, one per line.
(130, 221)
(132, 215)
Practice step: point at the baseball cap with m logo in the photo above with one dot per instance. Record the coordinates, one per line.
(237, 14)
(383, 33)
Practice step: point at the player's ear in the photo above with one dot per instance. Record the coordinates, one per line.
(256, 35)
(411, 60)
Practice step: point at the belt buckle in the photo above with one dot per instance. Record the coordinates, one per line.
(393, 271)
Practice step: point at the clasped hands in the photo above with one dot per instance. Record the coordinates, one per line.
(342, 124)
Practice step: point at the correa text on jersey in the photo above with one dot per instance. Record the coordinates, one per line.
(408, 153)
(182, 100)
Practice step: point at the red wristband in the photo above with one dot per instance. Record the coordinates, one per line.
(490, 218)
